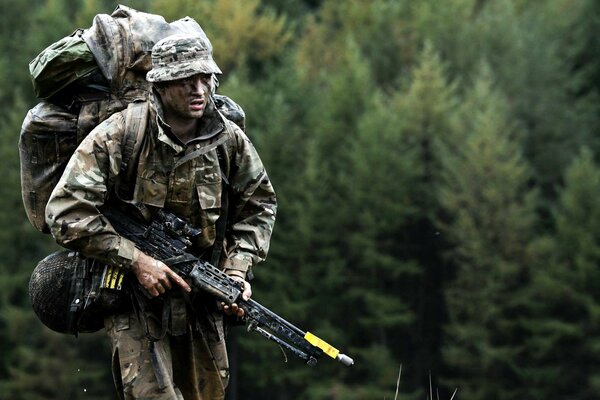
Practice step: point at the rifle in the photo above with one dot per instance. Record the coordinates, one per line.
(167, 237)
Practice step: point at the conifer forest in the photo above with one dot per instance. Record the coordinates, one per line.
(437, 168)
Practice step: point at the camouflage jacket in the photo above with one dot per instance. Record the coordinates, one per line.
(183, 178)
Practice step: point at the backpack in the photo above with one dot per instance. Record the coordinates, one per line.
(82, 80)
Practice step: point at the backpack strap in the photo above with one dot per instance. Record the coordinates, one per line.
(136, 121)
(221, 224)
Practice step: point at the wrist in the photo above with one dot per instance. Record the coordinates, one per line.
(236, 274)
(134, 259)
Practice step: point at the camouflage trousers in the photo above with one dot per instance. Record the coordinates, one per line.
(181, 367)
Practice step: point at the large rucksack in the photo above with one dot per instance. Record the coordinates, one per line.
(82, 80)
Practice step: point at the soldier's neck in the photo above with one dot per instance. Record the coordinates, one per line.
(184, 129)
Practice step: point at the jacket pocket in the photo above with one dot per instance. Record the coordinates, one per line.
(151, 191)
(209, 197)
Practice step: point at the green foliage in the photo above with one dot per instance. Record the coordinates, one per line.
(36, 363)
(526, 59)
(435, 209)
(584, 49)
(488, 212)
(565, 321)
(265, 34)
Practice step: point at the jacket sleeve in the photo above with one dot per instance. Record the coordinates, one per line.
(72, 210)
(253, 210)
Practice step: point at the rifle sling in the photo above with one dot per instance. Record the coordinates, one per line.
(203, 150)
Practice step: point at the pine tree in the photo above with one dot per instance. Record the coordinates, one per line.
(244, 34)
(565, 324)
(488, 211)
(383, 172)
(534, 68)
(36, 363)
(583, 48)
(326, 137)
(276, 110)
(427, 110)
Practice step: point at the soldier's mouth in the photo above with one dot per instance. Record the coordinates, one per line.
(197, 104)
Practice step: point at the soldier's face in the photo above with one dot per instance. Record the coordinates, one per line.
(186, 98)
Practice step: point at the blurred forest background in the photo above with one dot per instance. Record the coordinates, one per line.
(437, 169)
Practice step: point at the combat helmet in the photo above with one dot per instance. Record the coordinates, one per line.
(65, 293)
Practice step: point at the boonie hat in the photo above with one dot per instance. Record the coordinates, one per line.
(181, 56)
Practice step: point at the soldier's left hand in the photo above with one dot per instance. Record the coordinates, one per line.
(234, 309)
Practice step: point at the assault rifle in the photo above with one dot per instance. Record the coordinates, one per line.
(167, 238)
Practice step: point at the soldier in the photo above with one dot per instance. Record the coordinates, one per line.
(196, 164)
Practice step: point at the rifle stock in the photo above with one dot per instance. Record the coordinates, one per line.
(167, 238)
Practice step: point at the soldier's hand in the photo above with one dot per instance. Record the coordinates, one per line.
(234, 309)
(154, 275)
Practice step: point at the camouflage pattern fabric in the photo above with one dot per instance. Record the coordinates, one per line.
(61, 64)
(118, 45)
(49, 136)
(181, 56)
(145, 369)
(231, 110)
(184, 179)
(122, 42)
(75, 73)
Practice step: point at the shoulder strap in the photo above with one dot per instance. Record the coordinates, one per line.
(136, 120)
(221, 224)
(228, 169)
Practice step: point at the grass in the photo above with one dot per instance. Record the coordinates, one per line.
(430, 397)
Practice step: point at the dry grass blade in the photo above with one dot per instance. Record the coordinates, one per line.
(398, 383)
(455, 390)
(430, 397)
(430, 387)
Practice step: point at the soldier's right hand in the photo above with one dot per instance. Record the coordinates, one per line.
(154, 275)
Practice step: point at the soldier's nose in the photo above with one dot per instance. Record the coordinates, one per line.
(196, 86)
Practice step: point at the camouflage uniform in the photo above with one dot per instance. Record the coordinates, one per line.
(187, 180)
